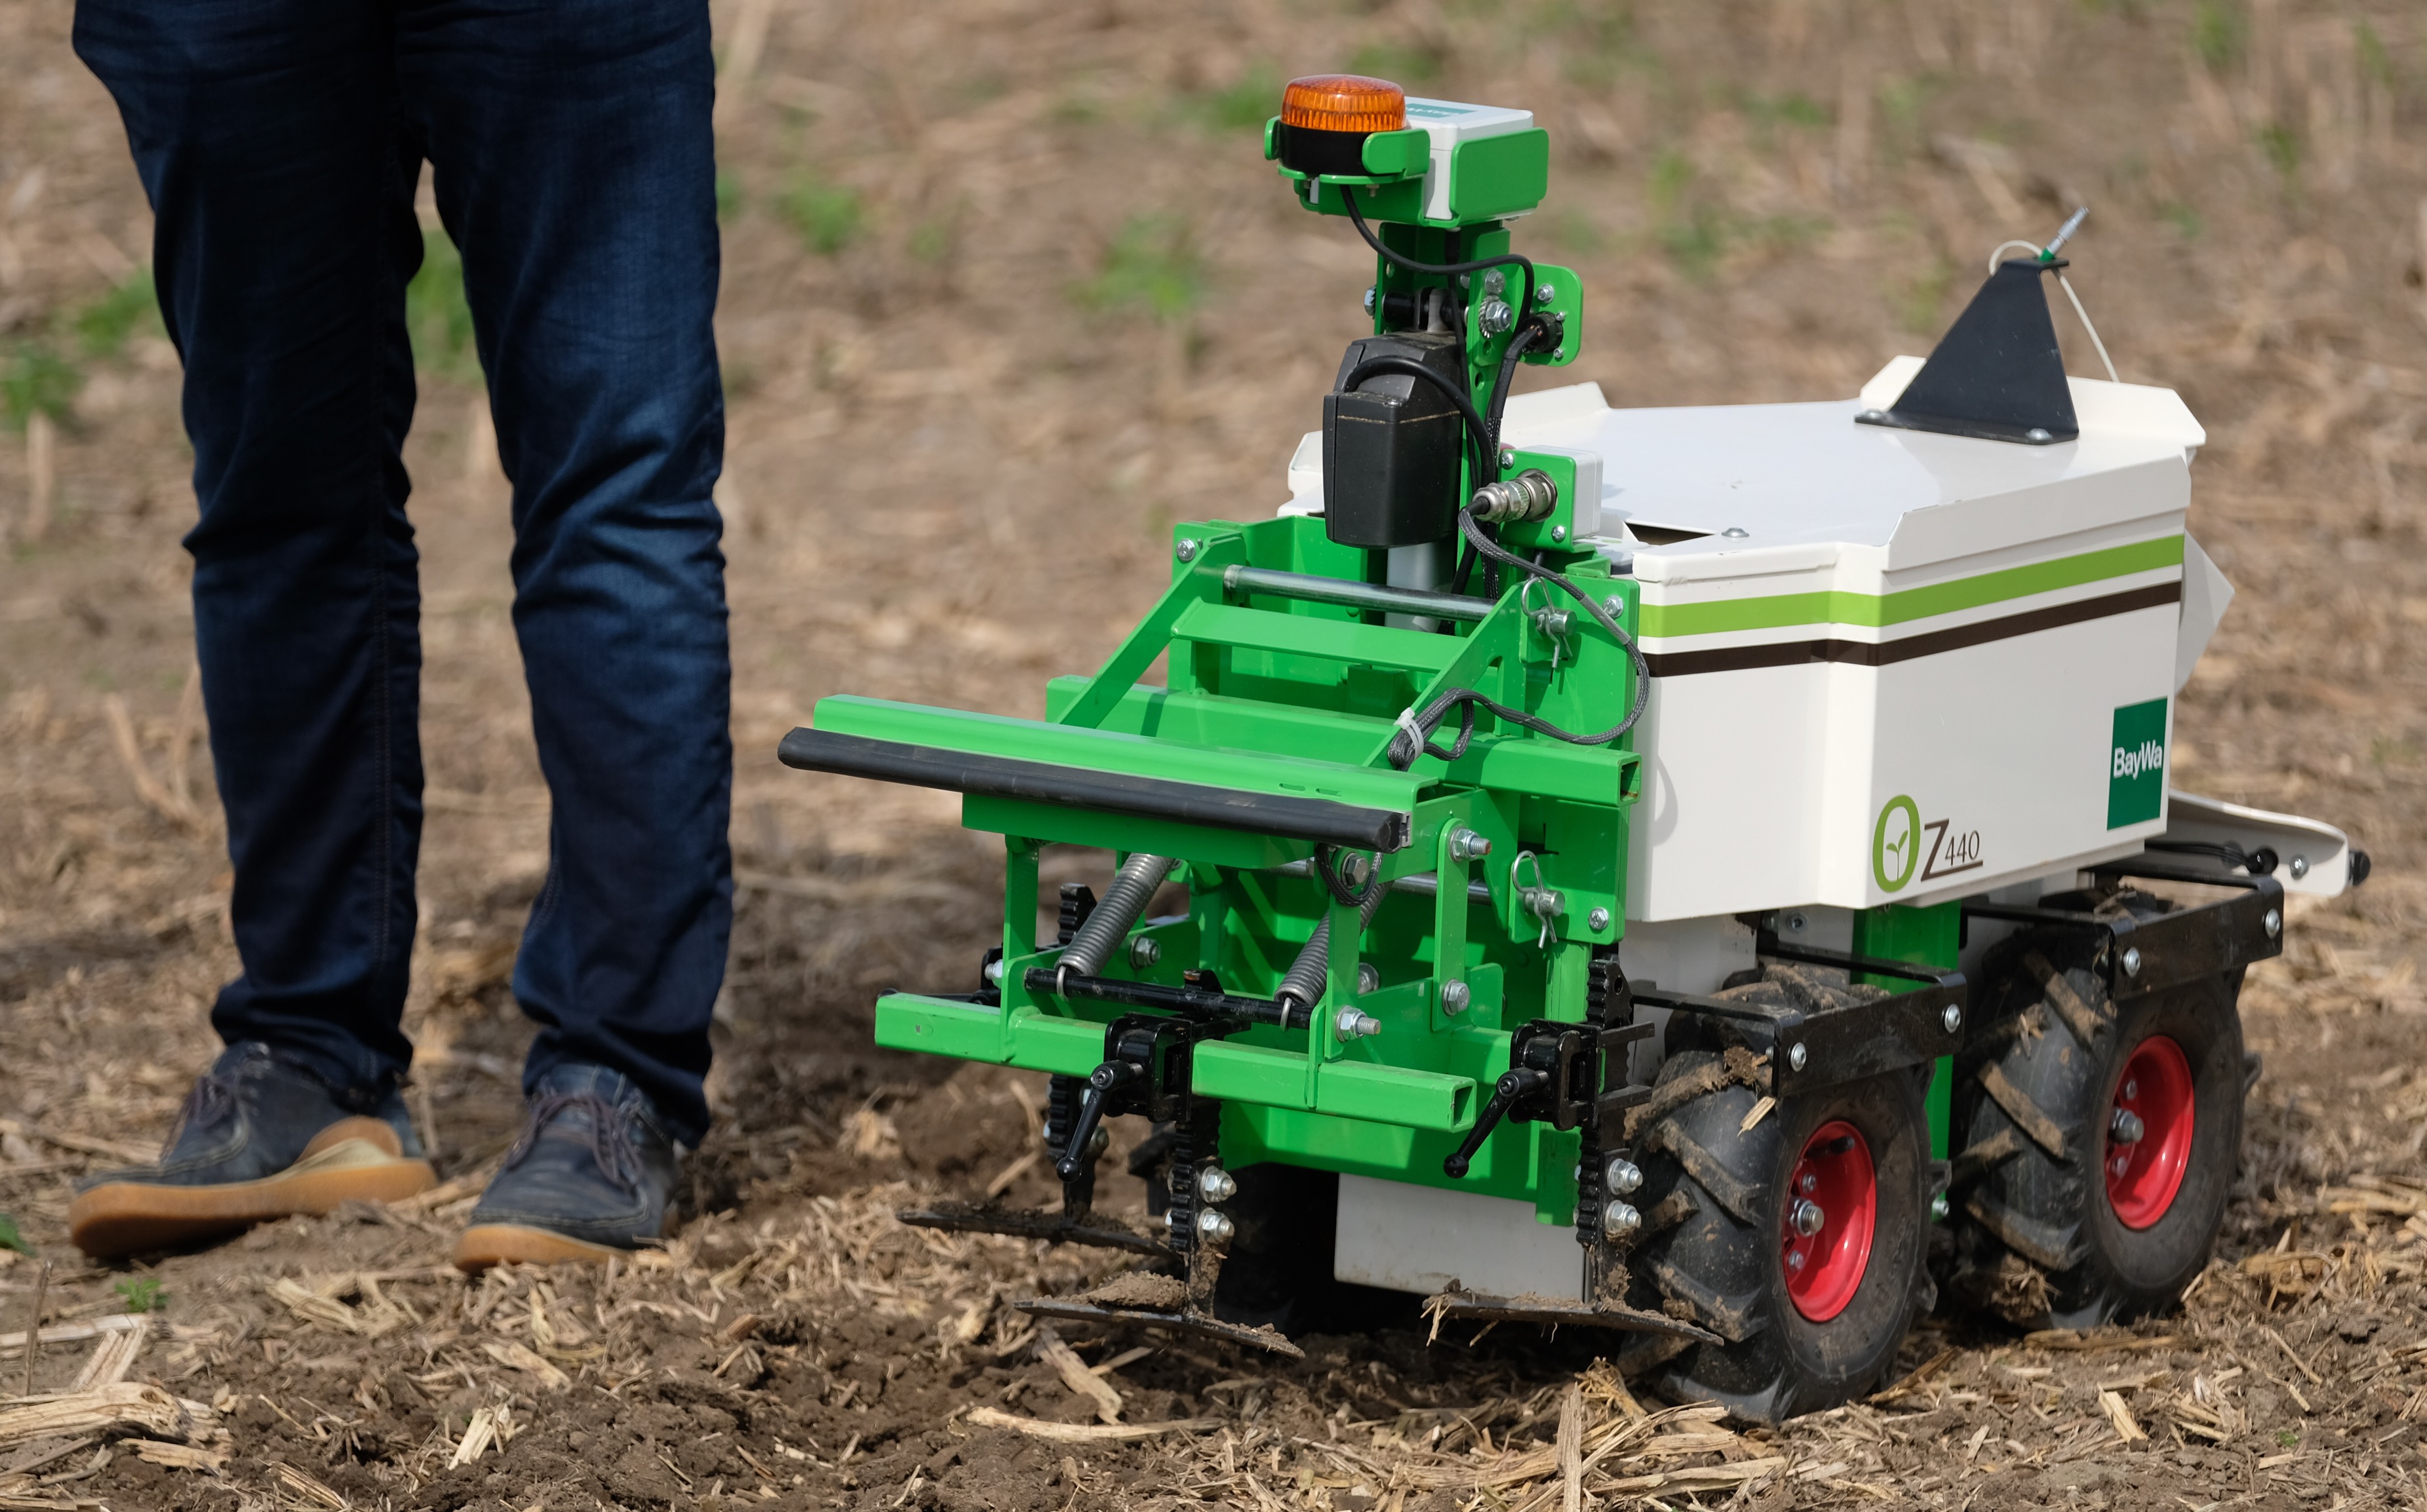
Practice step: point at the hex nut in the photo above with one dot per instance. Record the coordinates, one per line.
(1455, 997)
(1145, 951)
(1215, 1227)
(1214, 1184)
(1619, 1219)
(1622, 1175)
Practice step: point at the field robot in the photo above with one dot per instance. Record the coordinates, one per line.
(1703, 873)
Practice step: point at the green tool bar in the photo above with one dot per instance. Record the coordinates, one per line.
(1237, 1073)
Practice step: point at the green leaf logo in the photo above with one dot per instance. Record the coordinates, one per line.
(1896, 847)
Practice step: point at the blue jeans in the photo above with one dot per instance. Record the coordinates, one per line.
(280, 141)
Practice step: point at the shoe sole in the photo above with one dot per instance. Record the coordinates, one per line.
(352, 1159)
(513, 1243)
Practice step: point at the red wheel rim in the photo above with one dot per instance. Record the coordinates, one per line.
(1832, 1203)
(2152, 1098)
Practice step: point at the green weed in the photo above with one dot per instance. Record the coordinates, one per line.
(2373, 58)
(1151, 267)
(10, 1238)
(2282, 147)
(1920, 298)
(436, 315)
(1767, 111)
(729, 198)
(142, 1293)
(36, 378)
(1686, 229)
(1255, 99)
(828, 216)
(1902, 102)
(103, 326)
(2184, 219)
(2220, 32)
(1401, 63)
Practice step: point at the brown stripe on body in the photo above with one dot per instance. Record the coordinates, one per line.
(1884, 653)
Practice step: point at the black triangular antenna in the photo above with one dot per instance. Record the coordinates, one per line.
(1997, 374)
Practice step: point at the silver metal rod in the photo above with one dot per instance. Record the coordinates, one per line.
(1423, 884)
(1315, 590)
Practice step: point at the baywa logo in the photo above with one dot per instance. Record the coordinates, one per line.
(1904, 845)
(2135, 764)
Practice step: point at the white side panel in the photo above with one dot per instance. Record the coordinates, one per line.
(1731, 813)
(1424, 1240)
(2312, 857)
(1768, 788)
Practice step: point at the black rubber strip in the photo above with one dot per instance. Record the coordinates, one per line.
(1320, 820)
(1884, 653)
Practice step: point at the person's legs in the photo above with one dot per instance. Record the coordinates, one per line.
(574, 161)
(281, 176)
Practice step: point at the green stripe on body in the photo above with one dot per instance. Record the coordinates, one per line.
(1837, 607)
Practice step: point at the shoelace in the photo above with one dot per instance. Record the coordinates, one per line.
(212, 1098)
(611, 1137)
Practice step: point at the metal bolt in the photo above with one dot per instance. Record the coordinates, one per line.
(1938, 1205)
(2132, 959)
(1100, 1141)
(1215, 1227)
(1619, 1219)
(1466, 845)
(1872, 415)
(1544, 293)
(1809, 1183)
(2274, 923)
(994, 968)
(1368, 978)
(1806, 1216)
(1796, 921)
(2120, 1164)
(1145, 951)
(1507, 458)
(2126, 1127)
(1735, 532)
(1354, 868)
(1216, 1184)
(1370, 297)
(1455, 996)
(1597, 921)
(1494, 281)
(2299, 867)
(2132, 1090)
(1184, 549)
(1558, 533)
(2037, 436)
(1795, 1259)
(1952, 1016)
(1796, 1055)
(1559, 354)
(1494, 317)
(1622, 1175)
(1353, 1025)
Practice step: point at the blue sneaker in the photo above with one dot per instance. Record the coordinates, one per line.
(260, 1137)
(591, 1176)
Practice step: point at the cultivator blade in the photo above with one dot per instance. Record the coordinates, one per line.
(1550, 1312)
(1202, 1324)
(1031, 1223)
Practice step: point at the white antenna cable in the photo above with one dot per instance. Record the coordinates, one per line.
(2047, 253)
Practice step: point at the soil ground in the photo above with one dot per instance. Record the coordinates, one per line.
(1007, 292)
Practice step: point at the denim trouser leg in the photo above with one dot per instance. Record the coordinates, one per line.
(278, 142)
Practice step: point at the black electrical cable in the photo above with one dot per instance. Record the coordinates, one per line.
(1407, 745)
(1357, 218)
(1326, 859)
